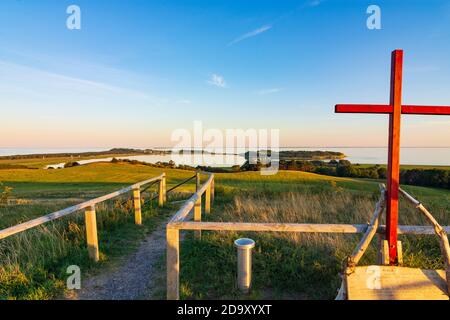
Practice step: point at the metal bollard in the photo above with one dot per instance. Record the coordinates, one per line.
(244, 263)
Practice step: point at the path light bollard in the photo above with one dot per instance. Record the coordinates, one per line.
(244, 263)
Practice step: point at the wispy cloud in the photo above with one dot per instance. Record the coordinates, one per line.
(264, 92)
(36, 88)
(315, 3)
(250, 34)
(217, 80)
(267, 27)
(28, 75)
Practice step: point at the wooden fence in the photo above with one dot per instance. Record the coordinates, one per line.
(90, 215)
(173, 234)
(178, 223)
(438, 229)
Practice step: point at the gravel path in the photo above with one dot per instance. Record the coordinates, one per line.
(132, 277)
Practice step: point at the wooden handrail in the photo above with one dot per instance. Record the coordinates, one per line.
(297, 227)
(415, 230)
(439, 230)
(182, 213)
(270, 227)
(64, 212)
(424, 211)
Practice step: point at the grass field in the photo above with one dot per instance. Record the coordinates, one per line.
(33, 263)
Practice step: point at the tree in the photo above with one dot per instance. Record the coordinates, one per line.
(344, 163)
(236, 168)
(306, 166)
(292, 165)
(346, 171)
(382, 173)
(333, 163)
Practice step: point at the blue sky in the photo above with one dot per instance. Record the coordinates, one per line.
(137, 70)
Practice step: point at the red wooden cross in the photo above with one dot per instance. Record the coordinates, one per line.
(394, 109)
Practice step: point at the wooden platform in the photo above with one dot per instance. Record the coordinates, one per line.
(395, 283)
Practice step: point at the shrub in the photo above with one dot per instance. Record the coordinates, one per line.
(236, 168)
(5, 194)
(71, 164)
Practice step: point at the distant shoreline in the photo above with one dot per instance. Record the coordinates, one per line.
(9, 152)
(114, 151)
(416, 156)
(286, 154)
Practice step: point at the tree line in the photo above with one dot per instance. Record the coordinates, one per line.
(438, 178)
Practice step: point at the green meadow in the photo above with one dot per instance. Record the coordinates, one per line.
(33, 263)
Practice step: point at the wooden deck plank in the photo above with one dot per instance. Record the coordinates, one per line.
(396, 283)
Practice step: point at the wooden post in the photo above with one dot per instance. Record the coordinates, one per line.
(198, 215)
(212, 190)
(385, 253)
(380, 248)
(173, 263)
(208, 199)
(197, 181)
(164, 191)
(399, 253)
(137, 206)
(91, 233)
(161, 192)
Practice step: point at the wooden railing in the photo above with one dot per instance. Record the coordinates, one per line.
(438, 229)
(90, 215)
(173, 234)
(178, 223)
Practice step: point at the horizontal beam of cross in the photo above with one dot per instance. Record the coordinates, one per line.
(386, 109)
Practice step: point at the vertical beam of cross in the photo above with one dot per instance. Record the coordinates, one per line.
(393, 182)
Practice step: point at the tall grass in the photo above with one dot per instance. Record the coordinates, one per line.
(34, 262)
(294, 265)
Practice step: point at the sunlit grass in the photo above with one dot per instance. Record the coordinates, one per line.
(290, 265)
(33, 263)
